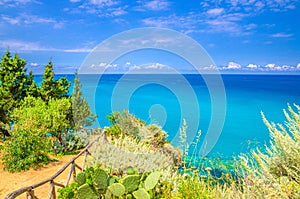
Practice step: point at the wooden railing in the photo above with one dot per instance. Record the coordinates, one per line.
(52, 193)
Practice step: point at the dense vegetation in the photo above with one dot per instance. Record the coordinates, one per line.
(124, 160)
(36, 120)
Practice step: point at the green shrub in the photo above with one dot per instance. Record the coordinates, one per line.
(24, 150)
(68, 192)
(124, 124)
(76, 140)
(128, 152)
(275, 171)
(37, 115)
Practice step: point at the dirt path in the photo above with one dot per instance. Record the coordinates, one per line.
(12, 181)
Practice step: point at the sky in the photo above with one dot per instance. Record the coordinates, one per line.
(239, 35)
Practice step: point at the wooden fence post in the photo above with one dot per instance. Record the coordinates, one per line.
(30, 194)
(52, 194)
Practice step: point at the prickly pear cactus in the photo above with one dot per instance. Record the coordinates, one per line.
(152, 180)
(86, 192)
(117, 189)
(130, 170)
(80, 178)
(100, 179)
(141, 193)
(131, 183)
(113, 179)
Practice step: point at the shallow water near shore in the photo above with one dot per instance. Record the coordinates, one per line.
(154, 102)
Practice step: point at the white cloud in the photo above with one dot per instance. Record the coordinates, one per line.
(270, 66)
(211, 67)
(100, 8)
(156, 66)
(10, 20)
(259, 6)
(15, 3)
(31, 19)
(34, 64)
(157, 5)
(16, 45)
(194, 22)
(233, 65)
(215, 11)
(102, 64)
(281, 35)
(128, 63)
(252, 66)
(149, 66)
(298, 66)
(77, 50)
(103, 3)
(250, 26)
(118, 11)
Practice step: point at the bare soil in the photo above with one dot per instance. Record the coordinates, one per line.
(10, 182)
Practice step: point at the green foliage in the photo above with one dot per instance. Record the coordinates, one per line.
(31, 115)
(68, 192)
(128, 152)
(152, 180)
(76, 140)
(117, 189)
(81, 178)
(141, 194)
(124, 124)
(131, 183)
(23, 150)
(130, 138)
(276, 171)
(82, 115)
(96, 185)
(51, 88)
(100, 179)
(272, 173)
(86, 192)
(35, 114)
(15, 85)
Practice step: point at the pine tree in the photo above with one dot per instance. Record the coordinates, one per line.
(51, 88)
(82, 115)
(15, 85)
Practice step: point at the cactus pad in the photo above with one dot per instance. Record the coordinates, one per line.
(86, 192)
(80, 178)
(152, 180)
(130, 170)
(141, 194)
(100, 178)
(112, 180)
(131, 183)
(117, 189)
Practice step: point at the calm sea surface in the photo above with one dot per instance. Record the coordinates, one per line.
(168, 99)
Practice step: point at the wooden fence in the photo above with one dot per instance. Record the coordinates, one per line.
(52, 193)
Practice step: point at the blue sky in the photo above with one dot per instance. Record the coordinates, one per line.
(239, 35)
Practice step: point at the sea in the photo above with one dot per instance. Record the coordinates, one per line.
(225, 109)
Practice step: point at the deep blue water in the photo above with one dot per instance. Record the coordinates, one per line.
(167, 99)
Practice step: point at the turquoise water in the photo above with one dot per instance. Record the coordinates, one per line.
(167, 99)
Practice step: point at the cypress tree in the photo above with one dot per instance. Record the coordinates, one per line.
(82, 115)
